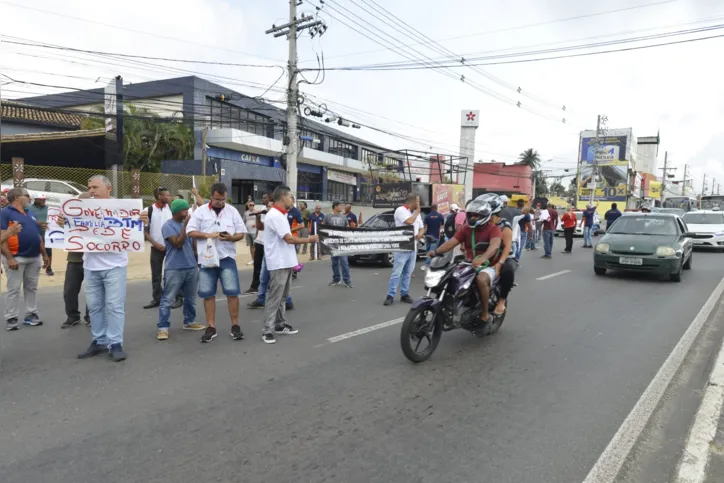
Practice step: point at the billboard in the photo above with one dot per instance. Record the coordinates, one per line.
(611, 154)
(391, 195)
(443, 195)
(654, 189)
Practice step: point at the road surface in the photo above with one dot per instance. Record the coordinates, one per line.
(538, 402)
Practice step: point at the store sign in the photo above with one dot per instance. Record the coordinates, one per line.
(341, 177)
(391, 195)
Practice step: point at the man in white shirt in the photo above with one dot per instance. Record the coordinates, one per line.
(280, 256)
(222, 223)
(105, 288)
(405, 215)
(158, 214)
(259, 244)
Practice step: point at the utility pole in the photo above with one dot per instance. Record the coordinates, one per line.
(291, 29)
(665, 176)
(683, 188)
(595, 158)
(703, 186)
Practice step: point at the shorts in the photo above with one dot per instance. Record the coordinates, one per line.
(249, 237)
(226, 272)
(49, 251)
(491, 273)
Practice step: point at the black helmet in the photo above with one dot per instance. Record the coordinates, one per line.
(478, 213)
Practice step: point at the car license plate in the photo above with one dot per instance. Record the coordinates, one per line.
(630, 261)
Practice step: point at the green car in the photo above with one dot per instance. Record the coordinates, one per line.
(657, 243)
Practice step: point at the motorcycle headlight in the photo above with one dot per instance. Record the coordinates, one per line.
(665, 252)
(433, 278)
(602, 248)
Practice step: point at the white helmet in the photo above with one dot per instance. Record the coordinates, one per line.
(454, 207)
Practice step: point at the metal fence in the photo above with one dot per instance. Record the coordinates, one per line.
(41, 178)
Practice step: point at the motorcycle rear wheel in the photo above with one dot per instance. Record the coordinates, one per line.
(414, 332)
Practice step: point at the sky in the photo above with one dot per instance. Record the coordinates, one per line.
(674, 90)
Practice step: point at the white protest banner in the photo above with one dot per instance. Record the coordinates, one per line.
(112, 225)
(54, 234)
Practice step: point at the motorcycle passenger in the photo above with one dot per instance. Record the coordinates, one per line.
(478, 229)
(506, 264)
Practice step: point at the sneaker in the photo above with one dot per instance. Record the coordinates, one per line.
(194, 326)
(93, 350)
(255, 305)
(162, 334)
(179, 302)
(116, 354)
(285, 329)
(251, 291)
(333, 283)
(32, 320)
(236, 332)
(250, 262)
(389, 301)
(268, 338)
(70, 322)
(347, 284)
(209, 335)
(289, 306)
(406, 299)
(49, 272)
(423, 268)
(152, 305)
(12, 324)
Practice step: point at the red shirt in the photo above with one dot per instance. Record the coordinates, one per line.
(484, 233)
(569, 220)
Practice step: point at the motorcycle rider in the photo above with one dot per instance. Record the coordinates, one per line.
(506, 264)
(477, 229)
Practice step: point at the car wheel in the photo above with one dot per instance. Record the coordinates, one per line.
(599, 271)
(387, 259)
(676, 277)
(687, 265)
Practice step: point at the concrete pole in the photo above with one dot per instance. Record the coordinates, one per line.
(292, 96)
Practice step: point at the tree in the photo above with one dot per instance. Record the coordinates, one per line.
(573, 187)
(530, 158)
(557, 188)
(148, 139)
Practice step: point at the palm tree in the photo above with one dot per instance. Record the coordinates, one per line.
(530, 158)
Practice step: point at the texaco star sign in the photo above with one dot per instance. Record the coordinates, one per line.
(471, 116)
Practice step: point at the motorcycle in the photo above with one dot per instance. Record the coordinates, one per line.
(452, 302)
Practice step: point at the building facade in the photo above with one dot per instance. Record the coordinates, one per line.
(241, 139)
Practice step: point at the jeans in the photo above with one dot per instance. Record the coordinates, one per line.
(71, 288)
(157, 257)
(264, 285)
(587, 241)
(280, 282)
(524, 237)
(226, 272)
(548, 242)
(343, 263)
(25, 277)
(432, 244)
(105, 292)
(184, 281)
(401, 269)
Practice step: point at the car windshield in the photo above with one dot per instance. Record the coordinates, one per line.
(644, 225)
(675, 211)
(379, 221)
(704, 218)
(77, 186)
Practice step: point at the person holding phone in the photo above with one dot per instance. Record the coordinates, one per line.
(405, 215)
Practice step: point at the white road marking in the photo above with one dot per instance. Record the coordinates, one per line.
(546, 277)
(693, 464)
(371, 328)
(611, 460)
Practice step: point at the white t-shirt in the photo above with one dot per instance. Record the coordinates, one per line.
(205, 220)
(403, 213)
(250, 221)
(278, 253)
(96, 262)
(159, 216)
(260, 233)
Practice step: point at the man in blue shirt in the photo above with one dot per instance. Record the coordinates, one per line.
(39, 209)
(181, 272)
(351, 217)
(612, 215)
(22, 263)
(433, 224)
(315, 219)
(587, 223)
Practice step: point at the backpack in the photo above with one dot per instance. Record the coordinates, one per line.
(449, 227)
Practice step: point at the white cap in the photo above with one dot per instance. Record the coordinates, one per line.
(40, 196)
(454, 207)
(503, 198)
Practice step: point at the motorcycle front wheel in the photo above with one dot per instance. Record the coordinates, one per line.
(420, 334)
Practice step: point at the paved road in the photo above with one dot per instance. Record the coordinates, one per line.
(538, 402)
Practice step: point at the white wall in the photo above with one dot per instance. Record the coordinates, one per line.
(646, 161)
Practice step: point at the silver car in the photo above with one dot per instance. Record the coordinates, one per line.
(56, 191)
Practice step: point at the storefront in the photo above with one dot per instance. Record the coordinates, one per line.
(246, 175)
(310, 182)
(341, 186)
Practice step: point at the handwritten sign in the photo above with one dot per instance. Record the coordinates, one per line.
(93, 225)
(55, 234)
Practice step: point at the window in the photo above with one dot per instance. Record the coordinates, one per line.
(380, 222)
(340, 192)
(369, 157)
(390, 161)
(341, 148)
(223, 114)
(309, 185)
(310, 144)
(37, 186)
(57, 187)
